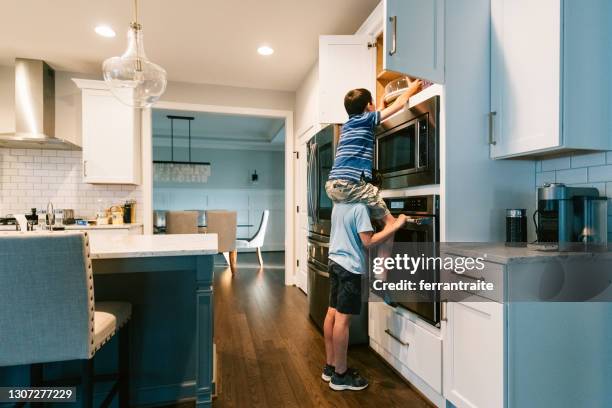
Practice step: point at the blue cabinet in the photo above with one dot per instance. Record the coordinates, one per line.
(414, 38)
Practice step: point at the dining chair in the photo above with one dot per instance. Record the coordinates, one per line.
(181, 222)
(224, 224)
(257, 240)
(49, 313)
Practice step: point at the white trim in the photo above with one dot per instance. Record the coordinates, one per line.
(146, 144)
(90, 84)
(235, 110)
(374, 24)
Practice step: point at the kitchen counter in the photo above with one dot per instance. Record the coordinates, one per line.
(502, 254)
(141, 246)
(102, 227)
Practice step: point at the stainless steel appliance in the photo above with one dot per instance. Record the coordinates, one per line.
(419, 237)
(321, 152)
(407, 146)
(34, 109)
(576, 218)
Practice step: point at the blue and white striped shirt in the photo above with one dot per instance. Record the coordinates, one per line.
(356, 148)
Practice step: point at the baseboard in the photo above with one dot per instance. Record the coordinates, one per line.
(156, 395)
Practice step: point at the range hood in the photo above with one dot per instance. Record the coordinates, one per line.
(34, 108)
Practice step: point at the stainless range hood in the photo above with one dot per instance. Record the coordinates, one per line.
(34, 108)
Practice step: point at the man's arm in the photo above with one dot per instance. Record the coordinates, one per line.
(398, 104)
(370, 239)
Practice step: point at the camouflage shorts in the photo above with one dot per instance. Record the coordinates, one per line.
(343, 191)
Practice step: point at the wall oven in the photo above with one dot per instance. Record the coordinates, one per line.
(420, 237)
(407, 146)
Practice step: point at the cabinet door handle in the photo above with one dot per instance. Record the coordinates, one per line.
(393, 21)
(84, 168)
(443, 306)
(463, 275)
(491, 128)
(396, 338)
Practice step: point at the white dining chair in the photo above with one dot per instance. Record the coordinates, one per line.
(257, 240)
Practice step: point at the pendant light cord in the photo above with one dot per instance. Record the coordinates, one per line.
(136, 11)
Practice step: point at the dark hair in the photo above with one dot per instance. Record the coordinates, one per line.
(356, 101)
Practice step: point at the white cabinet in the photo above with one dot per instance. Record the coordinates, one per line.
(414, 38)
(550, 64)
(111, 136)
(474, 354)
(345, 62)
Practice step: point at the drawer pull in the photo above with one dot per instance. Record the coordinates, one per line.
(469, 277)
(394, 337)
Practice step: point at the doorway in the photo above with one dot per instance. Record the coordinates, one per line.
(257, 141)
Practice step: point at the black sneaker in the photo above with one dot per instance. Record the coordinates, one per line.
(351, 380)
(328, 371)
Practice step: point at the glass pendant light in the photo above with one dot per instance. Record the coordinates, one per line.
(133, 79)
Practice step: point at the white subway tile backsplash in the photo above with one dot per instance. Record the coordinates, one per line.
(545, 177)
(600, 173)
(32, 177)
(572, 176)
(557, 163)
(588, 159)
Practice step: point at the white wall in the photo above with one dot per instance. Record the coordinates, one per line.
(229, 187)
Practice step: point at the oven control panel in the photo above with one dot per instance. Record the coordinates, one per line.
(413, 205)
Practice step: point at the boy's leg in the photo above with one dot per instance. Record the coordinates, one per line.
(328, 328)
(340, 341)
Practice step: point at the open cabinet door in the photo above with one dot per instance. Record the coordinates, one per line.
(345, 62)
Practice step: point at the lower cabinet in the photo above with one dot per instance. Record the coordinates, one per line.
(413, 350)
(474, 354)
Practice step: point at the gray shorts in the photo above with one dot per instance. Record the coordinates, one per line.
(344, 191)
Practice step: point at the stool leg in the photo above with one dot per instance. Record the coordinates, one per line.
(87, 376)
(124, 366)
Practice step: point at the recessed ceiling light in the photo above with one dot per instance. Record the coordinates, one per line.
(105, 31)
(265, 50)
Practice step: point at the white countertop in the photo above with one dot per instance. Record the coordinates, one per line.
(500, 253)
(109, 226)
(140, 246)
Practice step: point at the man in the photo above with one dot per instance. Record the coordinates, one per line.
(351, 235)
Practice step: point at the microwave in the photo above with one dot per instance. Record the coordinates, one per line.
(407, 147)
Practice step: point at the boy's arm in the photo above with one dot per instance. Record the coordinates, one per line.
(370, 239)
(402, 100)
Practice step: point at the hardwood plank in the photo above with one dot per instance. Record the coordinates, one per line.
(271, 354)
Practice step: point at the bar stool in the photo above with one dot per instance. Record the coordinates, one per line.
(48, 312)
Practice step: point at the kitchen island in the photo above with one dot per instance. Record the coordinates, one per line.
(168, 280)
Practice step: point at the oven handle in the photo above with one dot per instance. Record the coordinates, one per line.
(420, 221)
(319, 271)
(319, 243)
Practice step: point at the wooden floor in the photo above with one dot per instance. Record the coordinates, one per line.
(271, 355)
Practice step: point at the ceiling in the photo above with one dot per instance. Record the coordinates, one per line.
(202, 41)
(218, 130)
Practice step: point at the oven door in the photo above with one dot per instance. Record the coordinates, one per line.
(320, 161)
(419, 238)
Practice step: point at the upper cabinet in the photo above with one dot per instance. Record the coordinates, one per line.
(414, 38)
(345, 62)
(550, 86)
(111, 136)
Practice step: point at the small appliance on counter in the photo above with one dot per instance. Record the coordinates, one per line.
(516, 227)
(129, 212)
(573, 218)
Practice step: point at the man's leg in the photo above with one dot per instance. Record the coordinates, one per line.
(340, 341)
(328, 332)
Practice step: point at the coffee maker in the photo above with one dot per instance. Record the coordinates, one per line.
(575, 218)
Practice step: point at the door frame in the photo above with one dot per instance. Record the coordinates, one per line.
(147, 166)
